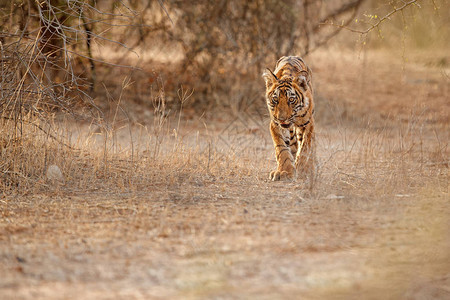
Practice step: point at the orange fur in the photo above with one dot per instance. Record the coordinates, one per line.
(290, 101)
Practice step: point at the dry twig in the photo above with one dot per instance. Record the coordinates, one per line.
(377, 24)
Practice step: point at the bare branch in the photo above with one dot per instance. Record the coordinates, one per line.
(161, 3)
(346, 7)
(377, 24)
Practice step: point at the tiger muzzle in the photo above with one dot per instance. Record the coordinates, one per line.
(284, 123)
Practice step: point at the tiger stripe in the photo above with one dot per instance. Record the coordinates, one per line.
(289, 95)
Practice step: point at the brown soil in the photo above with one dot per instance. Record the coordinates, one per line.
(375, 225)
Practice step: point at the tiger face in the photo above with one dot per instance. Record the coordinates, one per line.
(287, 98)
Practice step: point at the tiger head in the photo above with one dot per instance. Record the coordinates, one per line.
(288, 97)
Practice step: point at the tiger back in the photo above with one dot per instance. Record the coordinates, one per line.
(290, 101)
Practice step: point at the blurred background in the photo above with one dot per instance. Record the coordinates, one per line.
(76, 55)
(140, 63)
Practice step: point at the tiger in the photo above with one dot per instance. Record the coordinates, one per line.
(289, 96)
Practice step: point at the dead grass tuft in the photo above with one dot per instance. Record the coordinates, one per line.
(181, 207)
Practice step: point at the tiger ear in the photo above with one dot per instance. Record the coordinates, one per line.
(269, 77)
(304, 78)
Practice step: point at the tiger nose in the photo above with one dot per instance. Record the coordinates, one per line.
(282, 116)
(282, 119)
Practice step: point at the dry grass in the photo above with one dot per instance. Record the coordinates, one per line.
(180, 207)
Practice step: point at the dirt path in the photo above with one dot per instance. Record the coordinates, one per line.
(224, 240)
(203, 221)
(233, 237)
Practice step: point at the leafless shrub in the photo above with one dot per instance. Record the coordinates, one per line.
(46, 54)
(227, 43)
(47, 66)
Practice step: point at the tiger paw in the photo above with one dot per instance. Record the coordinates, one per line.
(281, 175)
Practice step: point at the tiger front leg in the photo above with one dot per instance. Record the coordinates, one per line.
(305, 159)
(285, 160)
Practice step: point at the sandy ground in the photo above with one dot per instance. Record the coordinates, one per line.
(363, 232)
(225, 241)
